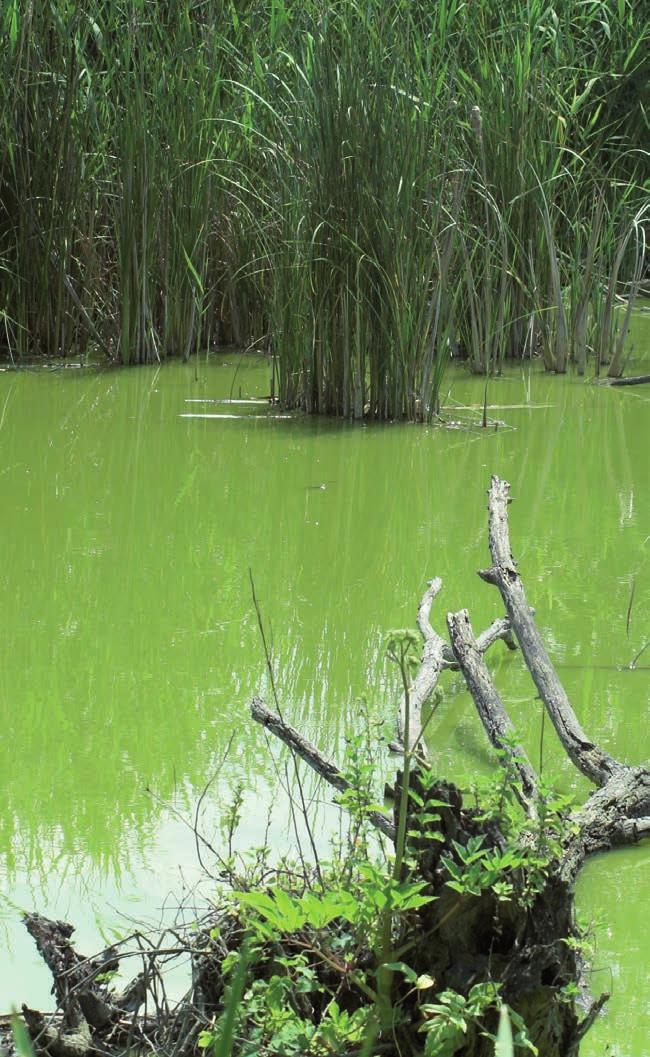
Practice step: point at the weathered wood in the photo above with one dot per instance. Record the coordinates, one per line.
(437, 656)
(431, 664)
(615, 815)
(589, 758)
(618, 812)
(84, 1002)
(498, 631)
(639, 379)
(489, 706)
(311, 755)
(54, 1039)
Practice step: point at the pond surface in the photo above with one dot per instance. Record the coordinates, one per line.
(134, 504)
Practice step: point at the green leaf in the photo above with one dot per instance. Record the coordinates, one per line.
(22, 1040)
(402, 967)
(424, 982)
(504, 1046)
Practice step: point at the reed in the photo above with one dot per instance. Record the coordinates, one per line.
(363, 189)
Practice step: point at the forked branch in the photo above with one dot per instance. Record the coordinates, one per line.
(437, 656)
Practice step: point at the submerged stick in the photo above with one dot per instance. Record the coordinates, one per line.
(639, 379)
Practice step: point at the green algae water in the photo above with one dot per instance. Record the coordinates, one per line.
(135, 503)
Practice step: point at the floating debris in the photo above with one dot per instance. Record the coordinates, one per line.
(224, 414)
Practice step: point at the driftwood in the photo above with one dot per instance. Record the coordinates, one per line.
(619, 812)
(522, 942)
(638, 379)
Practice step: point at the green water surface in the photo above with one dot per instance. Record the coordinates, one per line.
(130, 648)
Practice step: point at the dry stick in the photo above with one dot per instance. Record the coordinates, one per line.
(498, 630)
(589, 758)
(269, 666)
(489, 706)
(437, 656)
(199, 802)
(312, 756)
(425, 681)
(593, 1011)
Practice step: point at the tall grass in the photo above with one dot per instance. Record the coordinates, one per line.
(362, 189)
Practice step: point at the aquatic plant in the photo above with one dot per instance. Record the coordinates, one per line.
(361, 190)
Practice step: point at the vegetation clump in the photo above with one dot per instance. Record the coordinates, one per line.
(364, 191)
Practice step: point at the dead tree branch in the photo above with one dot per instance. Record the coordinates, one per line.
(311, 755)
(589, 758)
(616, 813)
(499, 630)
(489, 706)
(437, 656)
(431, 664)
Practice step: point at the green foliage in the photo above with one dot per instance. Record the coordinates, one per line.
(372, 892)
(319, 180)
(521, 870)
(446, 1021)
(22, 1040)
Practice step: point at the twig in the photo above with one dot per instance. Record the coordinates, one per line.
(312, 756)
(269, 666)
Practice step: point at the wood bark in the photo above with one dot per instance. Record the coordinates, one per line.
(409, 729)
(489, 706)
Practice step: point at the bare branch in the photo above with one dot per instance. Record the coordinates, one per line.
(498, 630)
(424, 609)
(431, 663)
(311, 755)
(593, 1011)
(588, 757)
(489, 706)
